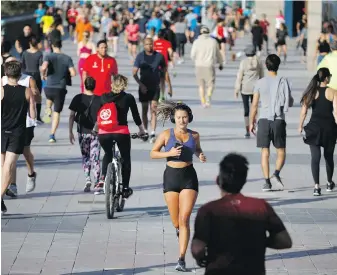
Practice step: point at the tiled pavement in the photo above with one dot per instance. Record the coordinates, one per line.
(60, 230)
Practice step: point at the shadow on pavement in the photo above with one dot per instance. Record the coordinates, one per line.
(279, 201)
(302, 253)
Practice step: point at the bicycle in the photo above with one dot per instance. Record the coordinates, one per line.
(113, 184)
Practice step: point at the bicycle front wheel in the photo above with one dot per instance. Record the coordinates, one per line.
(109, 188)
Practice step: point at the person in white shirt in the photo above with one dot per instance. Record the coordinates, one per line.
(29, 82)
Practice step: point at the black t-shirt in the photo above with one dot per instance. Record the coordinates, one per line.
(257, 33)
(31, 62)
(150, 67)
(234, 229)
(24, 42)
(80, 104)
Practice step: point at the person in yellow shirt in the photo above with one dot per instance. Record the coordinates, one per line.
(46, 21)
(330, 62)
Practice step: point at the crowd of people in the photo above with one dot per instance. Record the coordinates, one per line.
(155, 38)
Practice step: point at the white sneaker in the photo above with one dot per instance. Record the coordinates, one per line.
(152, 138)
(31, 183)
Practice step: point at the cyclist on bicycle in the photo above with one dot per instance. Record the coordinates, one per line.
(113, 127)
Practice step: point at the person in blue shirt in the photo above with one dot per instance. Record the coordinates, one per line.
(50, 4)
(38, 14)
(155, 22)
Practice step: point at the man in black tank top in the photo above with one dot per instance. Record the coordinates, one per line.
(16, 101)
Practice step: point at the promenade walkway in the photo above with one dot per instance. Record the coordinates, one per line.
(58, 229)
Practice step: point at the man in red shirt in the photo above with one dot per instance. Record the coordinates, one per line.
(164, 47)
(101, 67)
(264, 25)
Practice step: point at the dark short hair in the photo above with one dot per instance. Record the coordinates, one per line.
(89, 83)
(233, 173)
(161, 33)
(56, 43)
(13, 69)
(273, 62)
(103, 41)
(27, 25)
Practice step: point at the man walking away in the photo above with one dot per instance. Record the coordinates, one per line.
(16, 101)
(230, 234)
(55, 69)
(275, 95)
(205, 53)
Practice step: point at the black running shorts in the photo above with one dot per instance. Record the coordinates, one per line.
(29, 135)
(178, 179)
(151, 95)
(271, 131)
(57, 96)
(13, 143)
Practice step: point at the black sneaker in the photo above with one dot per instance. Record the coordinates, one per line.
(317, 192)
(266, 187)
(330, 186)
(181, 265)
(3, 207)
(277, 183)
(127, 192)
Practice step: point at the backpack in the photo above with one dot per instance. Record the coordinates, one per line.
(84, 119)
(107, 118)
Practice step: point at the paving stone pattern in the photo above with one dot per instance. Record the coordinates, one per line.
(58, 229)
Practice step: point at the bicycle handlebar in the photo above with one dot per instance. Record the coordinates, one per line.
(136, 135)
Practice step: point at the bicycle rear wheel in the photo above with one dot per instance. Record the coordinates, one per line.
(110, 182)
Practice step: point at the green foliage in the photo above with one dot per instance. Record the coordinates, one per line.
(10, 8)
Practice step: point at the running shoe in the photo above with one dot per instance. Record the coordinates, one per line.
(99, 188)
(317, 192)
(330, 186)
(87, 185)
(152, 138)
(277, 183)
(47, 115)
(12, 191)
(52, 139)
(3, 207)
(247, 135)
(31, 183)
(181, 265)
(127, 193)
(266, 187)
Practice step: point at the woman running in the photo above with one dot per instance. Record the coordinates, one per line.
(180, 178)
(180, 29)
(113, 33)
(84, 49)
(83, 110)
(132, 33)
(250, 70)
(123, 102)
(321, 131)
(220, 37)
(281, 36)
(31, 60)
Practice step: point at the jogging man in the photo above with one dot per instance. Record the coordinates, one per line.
(56, 68)
(100, 66)
(16, 101)
(164, 47)
(28, 82)
(151, 65)
(275, 95)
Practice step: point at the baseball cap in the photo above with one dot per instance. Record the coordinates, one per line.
(204, 29)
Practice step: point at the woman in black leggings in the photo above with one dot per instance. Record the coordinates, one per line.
(321, 131)
(120, 133)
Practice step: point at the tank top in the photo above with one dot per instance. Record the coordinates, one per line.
(84, 49)
(322, 108)
(188, 149)
(323, 46)
(14, 107)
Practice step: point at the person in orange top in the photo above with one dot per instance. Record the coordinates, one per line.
(83, 26)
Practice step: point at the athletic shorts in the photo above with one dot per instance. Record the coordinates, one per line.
(271, 131)
(29, 135)
(151, 95)
(12, 143)
(178, 179)
(205, 75)
(57, 96)
(133, 43)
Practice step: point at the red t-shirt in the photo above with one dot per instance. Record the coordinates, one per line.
(72, 15)
(264, 25)
(162, 46)
(133, 32)
(101, 69)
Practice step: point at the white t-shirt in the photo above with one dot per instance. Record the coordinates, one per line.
(23, 81)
